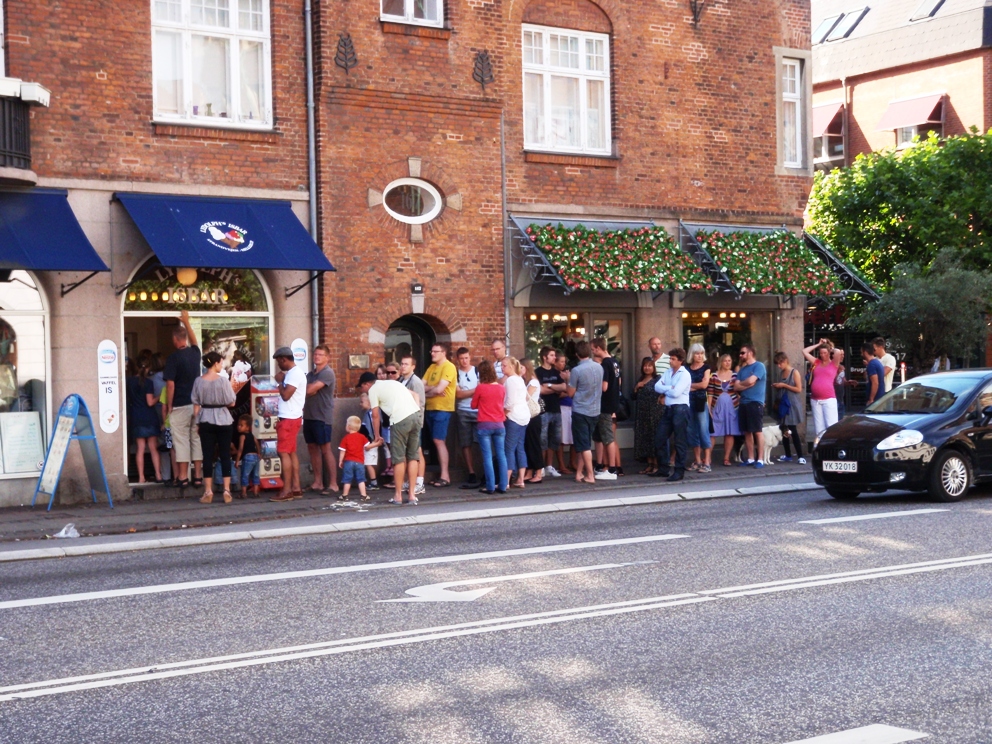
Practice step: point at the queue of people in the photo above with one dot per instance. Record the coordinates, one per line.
(521, 416)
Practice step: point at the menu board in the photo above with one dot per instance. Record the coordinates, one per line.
(22, 442)
(60, 443)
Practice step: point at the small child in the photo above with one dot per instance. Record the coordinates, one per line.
(247, 457)
(371, 454)
(352, 458)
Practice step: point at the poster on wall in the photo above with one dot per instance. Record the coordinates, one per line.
(23, 443)
(301, 353)
(108, 375)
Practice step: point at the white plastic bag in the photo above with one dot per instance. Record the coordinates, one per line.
(68, 531)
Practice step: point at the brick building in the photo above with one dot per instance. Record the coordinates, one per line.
(449, 129)
(161, 115)
(901, 68)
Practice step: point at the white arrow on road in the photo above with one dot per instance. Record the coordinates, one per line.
(440, 593)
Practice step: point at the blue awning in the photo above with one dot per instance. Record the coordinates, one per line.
(39, 232)
(207, 232)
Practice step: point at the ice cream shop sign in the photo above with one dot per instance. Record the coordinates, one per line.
(167, 288)
(227, 237)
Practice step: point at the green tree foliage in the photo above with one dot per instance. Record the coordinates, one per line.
(894, 207)
(932, 311)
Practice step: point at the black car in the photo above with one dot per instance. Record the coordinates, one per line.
(933, 433)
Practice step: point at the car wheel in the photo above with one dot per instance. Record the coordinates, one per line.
(950, 476)
(843, 495)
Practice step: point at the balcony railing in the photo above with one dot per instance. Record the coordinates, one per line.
(15, 133)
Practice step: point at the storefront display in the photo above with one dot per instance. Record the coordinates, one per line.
(23, 375)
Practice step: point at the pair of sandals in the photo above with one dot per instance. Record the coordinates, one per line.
(208, 498)
(440, 483)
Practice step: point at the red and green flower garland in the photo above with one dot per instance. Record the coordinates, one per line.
(643, 259)
(777, 263)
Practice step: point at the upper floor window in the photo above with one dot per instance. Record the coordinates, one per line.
(211, 62)
(566, 90)
(420, 12)
(792, 113)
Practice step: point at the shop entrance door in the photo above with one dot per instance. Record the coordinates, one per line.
(229, 312)
(410, 335)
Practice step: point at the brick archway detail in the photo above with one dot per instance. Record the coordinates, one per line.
(584, 15)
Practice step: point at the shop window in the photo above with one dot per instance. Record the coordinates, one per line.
(566, 90)
(211, 62)
(419, 12)
(228, 310)
(555, 329)
(412, 201)
(23, 376)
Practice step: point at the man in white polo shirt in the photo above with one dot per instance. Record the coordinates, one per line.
(395, 400)
(292, 395)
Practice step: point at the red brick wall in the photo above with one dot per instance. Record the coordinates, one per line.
(693, 123)
(95, 57)
(963, 78)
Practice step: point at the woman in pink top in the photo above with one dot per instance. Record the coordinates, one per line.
(823, 397)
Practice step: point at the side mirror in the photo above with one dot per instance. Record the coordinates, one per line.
(986, 415)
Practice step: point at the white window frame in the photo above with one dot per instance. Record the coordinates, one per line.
(583, 75)
(409, 17)
(234, 35)
(420, 184)
(793, 98)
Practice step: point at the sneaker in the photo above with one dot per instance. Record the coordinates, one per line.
(418, 491)
(759, 464)
(406, 486)
(705, 469)
(550, 471)
(802, 460)
(785, 458)
(372, 486)
(745, 463)
(605, 475)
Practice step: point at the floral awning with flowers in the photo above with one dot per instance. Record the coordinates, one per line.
(640, 259)
(773, 263)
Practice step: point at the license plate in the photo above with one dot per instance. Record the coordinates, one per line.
(838, 466)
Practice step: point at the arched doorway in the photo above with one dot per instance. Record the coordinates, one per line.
(410, 334)
(230, 312)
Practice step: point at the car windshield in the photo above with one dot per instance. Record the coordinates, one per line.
(930, 395)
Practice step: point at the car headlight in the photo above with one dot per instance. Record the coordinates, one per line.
(817, 440)
(904, 438)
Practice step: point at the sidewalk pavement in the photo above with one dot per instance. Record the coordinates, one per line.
(26, 532)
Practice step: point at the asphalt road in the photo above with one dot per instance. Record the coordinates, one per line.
(732, 621)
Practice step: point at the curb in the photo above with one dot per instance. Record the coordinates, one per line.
(371, 524)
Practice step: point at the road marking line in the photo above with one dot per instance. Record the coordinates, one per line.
(861, 572)
(236, 580)
(882, 515)
(875, 734)
(145, 674)
(236, 661)
(439, 592)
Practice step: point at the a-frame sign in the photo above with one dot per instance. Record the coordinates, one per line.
(73, 423)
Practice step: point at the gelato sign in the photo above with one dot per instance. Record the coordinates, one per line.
(227, 237)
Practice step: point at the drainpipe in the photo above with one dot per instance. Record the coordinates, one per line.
(312, 171)
(507, 253)
(847, 136)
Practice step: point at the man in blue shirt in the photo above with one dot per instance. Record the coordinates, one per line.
(874, 374)
(751, 381)
(585, 386)
(674, 385)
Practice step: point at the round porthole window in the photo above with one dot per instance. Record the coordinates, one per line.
(412, 201)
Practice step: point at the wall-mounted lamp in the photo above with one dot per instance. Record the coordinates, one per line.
(696, 6)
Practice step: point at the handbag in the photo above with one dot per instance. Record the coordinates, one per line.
(535, 405)
(623, 408)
